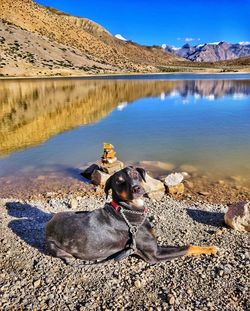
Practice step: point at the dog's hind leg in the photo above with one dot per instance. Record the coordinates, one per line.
(56, 251)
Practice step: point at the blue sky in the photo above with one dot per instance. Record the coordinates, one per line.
(170, 22)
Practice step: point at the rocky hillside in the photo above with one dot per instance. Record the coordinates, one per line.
(57, 43)
(211, 52)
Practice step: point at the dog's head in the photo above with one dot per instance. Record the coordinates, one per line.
(127, 185)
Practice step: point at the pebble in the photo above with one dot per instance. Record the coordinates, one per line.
(138, 284)
(73, 203)
(37, 283)
(171, 300)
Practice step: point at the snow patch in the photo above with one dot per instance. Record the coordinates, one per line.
(122, 106)
(244, 42)
(120, 37)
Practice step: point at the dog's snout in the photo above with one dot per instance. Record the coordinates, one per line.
(136, 189)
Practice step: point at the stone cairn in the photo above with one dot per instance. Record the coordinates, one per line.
(99, 172)
(109, 162)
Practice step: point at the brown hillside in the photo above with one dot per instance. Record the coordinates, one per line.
(89, 38)
(242, 61)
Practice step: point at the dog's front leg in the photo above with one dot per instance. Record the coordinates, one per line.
(150, 251)
(165, 253)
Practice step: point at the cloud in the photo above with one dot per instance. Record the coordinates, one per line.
(188, 39)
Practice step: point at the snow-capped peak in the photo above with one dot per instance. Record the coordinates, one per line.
(244, 42)
(213, 43)
(120, 37)
(164, 46)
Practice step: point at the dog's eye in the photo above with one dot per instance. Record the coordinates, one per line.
(120, 181)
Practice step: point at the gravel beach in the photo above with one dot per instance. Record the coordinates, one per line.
(32, 280)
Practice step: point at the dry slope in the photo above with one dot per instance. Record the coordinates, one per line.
(88, 39)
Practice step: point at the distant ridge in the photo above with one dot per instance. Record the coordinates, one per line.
(211, 52)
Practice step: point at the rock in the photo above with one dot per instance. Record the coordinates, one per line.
(156, 166)
(138, 284)
(111, 168)
(155, 188)
(73, 203)
(178, 189)
(37, 283)
(189, 184)
(40, 177)
(173, 179)
(171, 300)
(188, 168)
(238, 216)
(99, 178)
(89, 171)
(205, 193)
(185, 175)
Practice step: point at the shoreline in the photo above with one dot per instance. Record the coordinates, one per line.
(198, 188)
(96, 76)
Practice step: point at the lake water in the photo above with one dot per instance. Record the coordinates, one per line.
(198, 121)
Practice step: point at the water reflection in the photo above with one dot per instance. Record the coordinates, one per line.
(33, 111)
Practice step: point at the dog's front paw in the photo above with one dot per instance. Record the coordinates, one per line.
(199, 250)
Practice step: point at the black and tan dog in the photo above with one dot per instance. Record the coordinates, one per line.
(115, 231)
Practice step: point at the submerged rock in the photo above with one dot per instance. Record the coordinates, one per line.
(238, 216)
(156, 165)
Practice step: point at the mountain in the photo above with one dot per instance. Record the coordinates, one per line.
(211, 52)
(38, 40)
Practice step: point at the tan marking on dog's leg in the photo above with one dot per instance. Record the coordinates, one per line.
(198, 250)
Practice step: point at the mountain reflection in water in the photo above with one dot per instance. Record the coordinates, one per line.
(203, 123)
(33, 111)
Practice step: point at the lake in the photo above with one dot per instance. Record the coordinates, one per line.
(201, 122)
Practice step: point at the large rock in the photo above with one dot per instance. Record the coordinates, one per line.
(99, 178)
(175, 190)
(89, 171)
(111, 168)
(238, 216)
(173, 183)
(155, 188)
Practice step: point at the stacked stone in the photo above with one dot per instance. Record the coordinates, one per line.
(108, 166)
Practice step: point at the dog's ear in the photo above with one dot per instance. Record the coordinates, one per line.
(107, 186)
(142, 172)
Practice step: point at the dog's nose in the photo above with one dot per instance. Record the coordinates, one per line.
(136, 189)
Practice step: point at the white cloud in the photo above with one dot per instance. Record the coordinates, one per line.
(188, 39)
(120, 37)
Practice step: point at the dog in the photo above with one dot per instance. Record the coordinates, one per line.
(117, 230)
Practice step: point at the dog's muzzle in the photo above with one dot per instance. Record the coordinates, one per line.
(138, 190)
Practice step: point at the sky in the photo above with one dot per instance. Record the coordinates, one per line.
(166, 22)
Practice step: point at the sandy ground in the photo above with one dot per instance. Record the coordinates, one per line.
(32, 280)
